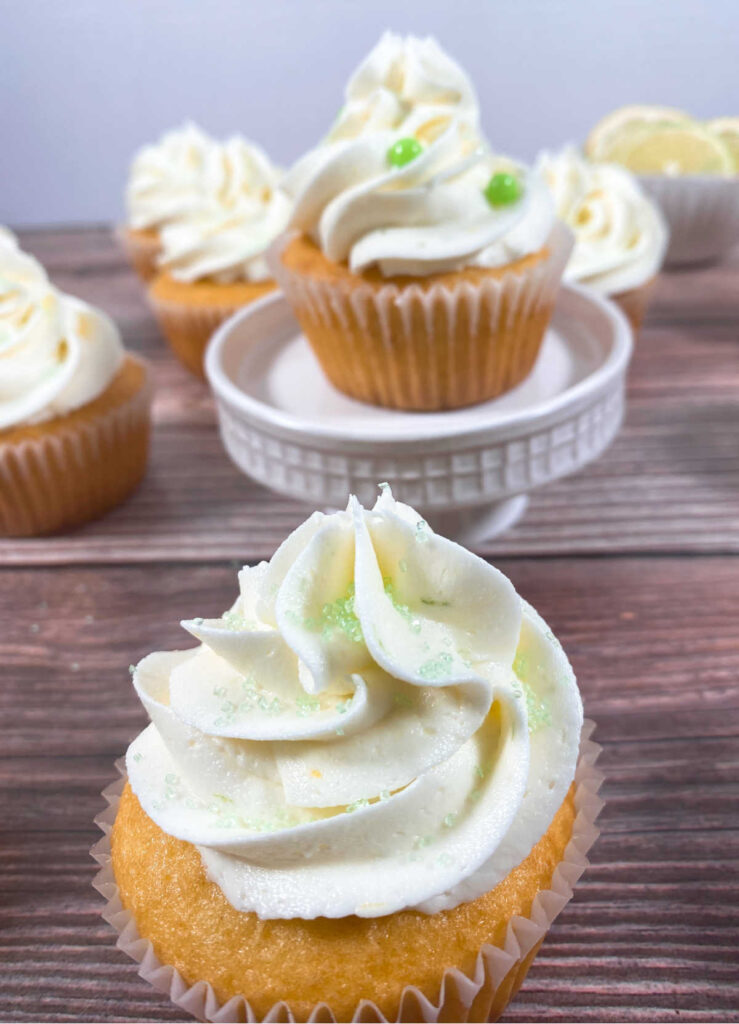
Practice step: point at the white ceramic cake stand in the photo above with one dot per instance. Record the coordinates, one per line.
(467, 471)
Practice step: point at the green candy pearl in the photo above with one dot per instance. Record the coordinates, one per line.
(403, 151)
(502, 189)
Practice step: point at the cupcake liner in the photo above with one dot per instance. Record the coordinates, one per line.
(142, 253)
(634, 302)
(483, 995)
(188, 329)
(427, 347)
(702, 213)
(77, 470)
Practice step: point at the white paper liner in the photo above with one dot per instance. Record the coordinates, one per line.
(498, 972)
(142, 253)
(634, 302)
(76, 471)
(417, 366)
(189, 328)
(702, 212)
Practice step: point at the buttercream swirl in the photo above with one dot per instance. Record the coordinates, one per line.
(620, 235)
(378, 722)
(168, 178)
(56, 352)
(430, 214)
(225, 234)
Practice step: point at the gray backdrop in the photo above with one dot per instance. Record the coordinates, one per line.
(83, 83)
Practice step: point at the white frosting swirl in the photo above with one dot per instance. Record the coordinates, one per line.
(431, 214)
(620, 235)
(399, 77)
(225, 234)
(56, 352)
(168, 178)
(377, 723)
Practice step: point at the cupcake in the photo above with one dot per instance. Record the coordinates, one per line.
(690, 168)
(360, 794)
(620, 235)
(422, 266)
(212, 260)
(165, 181)
(74, 407)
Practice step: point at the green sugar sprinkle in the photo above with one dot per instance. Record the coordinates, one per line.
(362, 802)
(536, 710)
(137, 758)
(171, 779)
(234, 620)
(131, 669)
(219, 691)
(401, 608)
(445, 859)
(403, 565)
(435, 604)
(422, 531)
(338, 616)
(343, 706)
(307, 705)
(339, 732)
(449, 820)
(436, 668)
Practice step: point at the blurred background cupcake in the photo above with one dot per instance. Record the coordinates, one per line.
(620, 234)
(689, 167)
(212, 259)
(166, 180)
(422, 266)
(74, 406)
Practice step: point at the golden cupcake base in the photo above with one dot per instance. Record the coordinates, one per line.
(439, 342)
(70, 469)
(189, 312)
(192, 927)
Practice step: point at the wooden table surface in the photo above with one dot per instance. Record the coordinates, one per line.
(634, 562)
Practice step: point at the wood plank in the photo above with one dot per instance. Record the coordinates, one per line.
(655, 922)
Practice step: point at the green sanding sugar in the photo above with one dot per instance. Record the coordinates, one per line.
(338, 616)
(307, 705)
(536, 709)
(436, 668)
(422, 531)
(401, 608)
(362, 802)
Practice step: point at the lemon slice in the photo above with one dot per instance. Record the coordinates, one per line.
(675, 149)
(609, 132)
(727, 129)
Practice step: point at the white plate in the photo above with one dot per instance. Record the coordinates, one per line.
(467, 470)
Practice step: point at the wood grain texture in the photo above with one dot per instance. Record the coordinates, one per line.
(633, 563)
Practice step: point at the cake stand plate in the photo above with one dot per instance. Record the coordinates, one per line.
(468, 471)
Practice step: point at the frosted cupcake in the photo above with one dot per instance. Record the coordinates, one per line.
(213, 255)
(620, 234)
(422, 267)
(166, 180)
(362, 786)
(74, 407)
(690, 168)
